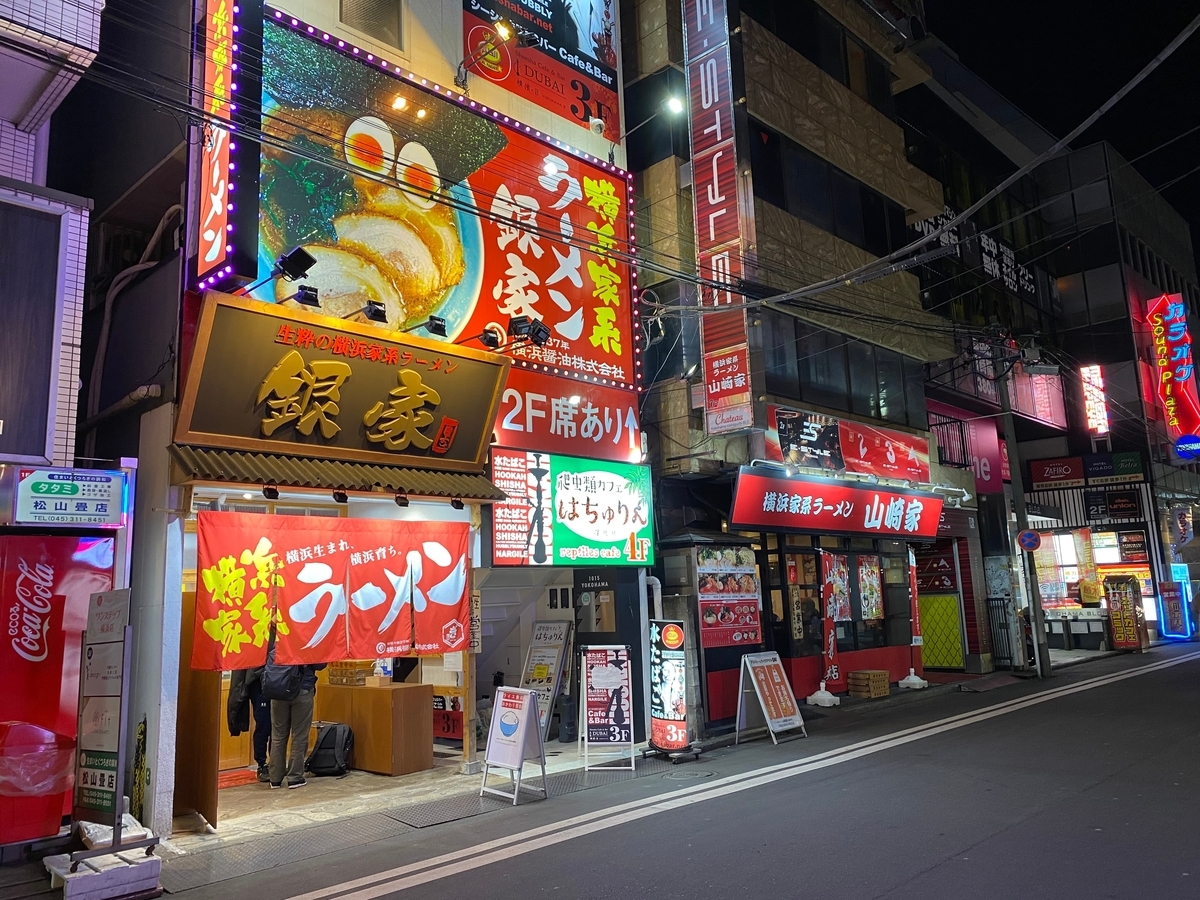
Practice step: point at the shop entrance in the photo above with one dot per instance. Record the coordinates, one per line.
(407, 713)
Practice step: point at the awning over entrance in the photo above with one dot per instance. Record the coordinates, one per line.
(201, 464)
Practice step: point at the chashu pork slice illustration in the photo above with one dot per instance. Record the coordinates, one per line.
(396, 250)
(347, 281)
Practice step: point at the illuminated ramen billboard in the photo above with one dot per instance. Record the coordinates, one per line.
(426, 206)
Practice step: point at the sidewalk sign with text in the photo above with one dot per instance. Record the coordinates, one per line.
(513, 738)
(606, 692)
(668, 687)
(544, 666)
(763, 676)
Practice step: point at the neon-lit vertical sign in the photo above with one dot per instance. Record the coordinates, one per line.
(1095, 401)
(213, 221)
(1174, 372)
(715, 195)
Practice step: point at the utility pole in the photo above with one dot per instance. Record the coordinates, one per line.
(1041, 648)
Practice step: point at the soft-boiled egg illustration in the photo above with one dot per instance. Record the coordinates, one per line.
(418, 174)
(370, 145)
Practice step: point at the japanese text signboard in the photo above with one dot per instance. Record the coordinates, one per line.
(430, 206)
(668, 686)
(607, 695)
(334, 589)
(1174, 369)
(769, 501)
(558, 415)
(548, 644)
(268, 378)
(820, 441)
(572, 512)
(71, 497)
(773, 692)
(213, 214)
(729, 597)
(570, 69)
(717, 214)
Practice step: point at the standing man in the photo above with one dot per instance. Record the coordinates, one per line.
(245, 700)
(292, 718)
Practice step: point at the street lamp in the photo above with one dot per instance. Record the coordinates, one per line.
(672, 105)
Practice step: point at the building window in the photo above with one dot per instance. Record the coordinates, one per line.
(378, 19)
(779, 354)
(821, 355)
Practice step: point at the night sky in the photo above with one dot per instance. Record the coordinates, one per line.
(1058, 60)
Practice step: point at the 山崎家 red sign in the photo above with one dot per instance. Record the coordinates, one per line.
(769, 501)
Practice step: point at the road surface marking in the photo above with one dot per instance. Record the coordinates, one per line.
(436, 868)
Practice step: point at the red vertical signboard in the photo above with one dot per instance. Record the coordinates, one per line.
(717, 217)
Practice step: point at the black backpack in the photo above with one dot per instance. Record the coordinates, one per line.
(279, 682)
(331, 752)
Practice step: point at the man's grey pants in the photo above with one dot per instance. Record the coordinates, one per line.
(292, 717)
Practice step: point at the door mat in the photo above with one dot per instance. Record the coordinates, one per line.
(990, 683)
(236, 778)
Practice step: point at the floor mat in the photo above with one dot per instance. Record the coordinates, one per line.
(236, 778)
(990, 683)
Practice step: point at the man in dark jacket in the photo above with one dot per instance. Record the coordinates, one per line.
(246, 698)
(293, 718)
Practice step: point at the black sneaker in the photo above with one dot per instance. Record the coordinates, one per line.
(297, 783)
(276, 784)
(264, 774)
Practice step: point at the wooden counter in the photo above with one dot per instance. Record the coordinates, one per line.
(392, 725)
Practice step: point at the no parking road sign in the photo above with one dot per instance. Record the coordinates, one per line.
(1029, 540)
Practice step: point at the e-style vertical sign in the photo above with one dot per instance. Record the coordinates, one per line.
(102, 674)
(715, 191)
(607, 691)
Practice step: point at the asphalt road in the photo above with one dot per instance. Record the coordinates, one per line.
(1082, 786)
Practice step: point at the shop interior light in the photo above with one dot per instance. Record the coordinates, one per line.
(340, 496)
(401, 499)
(271, 491)
(457, 503)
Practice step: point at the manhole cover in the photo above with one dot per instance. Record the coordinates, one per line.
(688, 775)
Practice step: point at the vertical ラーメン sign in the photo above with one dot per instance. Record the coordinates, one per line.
(715, 188)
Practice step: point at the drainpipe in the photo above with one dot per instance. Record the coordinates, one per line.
(133, 398)
(656, 586)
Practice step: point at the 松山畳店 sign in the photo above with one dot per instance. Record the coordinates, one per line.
(64, 497)
(566, 511)
(265, 377)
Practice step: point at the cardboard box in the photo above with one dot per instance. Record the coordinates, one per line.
(869, 684)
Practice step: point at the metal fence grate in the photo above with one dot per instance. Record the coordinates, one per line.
(1002, 654)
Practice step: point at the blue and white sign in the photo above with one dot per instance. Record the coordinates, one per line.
(1188, 446)
(1029, 540)
(71, 497)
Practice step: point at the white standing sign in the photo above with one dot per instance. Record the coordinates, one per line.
(513, 738)
(543, 666)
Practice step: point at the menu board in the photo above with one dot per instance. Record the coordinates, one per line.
(870, 591)
(543, 666)
(804, 598)
(835, 586)
(1133, 546)
(728, 597)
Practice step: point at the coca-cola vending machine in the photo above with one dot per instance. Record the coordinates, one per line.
(48, 571)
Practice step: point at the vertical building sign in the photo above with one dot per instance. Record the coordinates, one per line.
(1174, 375)
(728, 405)
(213, 215)
(1095, 403)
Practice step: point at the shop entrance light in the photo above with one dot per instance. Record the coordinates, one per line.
(271, 490)
(340, 496)
(518, 327)
(401, 499)
(307, 295)
(435, 325)
(374, 312)
(292, 266)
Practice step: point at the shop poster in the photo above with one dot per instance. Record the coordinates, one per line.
(606, 683)
(668, 686)
(835, 586)
(332, 588)
(728, 597)
(769, 684)
(513, 737)
(870, 588)
(548, 642)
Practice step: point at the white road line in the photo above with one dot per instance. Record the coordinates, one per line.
(448, 864)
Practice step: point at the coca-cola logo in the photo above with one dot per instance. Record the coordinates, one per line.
(29, 616)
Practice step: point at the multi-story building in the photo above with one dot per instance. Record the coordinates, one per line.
(782, 428)
(1079, 258)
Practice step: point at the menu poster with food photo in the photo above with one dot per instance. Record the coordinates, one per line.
(426, 207)
(870, 590)
(835, 586)
(729, 597)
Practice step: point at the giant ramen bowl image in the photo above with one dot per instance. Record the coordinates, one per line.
(376, 190)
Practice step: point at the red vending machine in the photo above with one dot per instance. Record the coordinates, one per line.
(51, 562)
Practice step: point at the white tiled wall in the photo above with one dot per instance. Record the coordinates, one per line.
(16, 152)
(67, 28)
(72, 318)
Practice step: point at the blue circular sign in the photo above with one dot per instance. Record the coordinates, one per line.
(1029, 540)
(1188, 446)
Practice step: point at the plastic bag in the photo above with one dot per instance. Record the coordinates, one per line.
(39, 771)
(95, 835)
